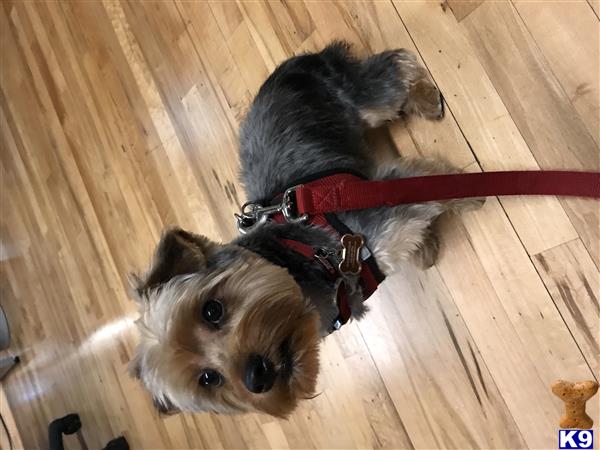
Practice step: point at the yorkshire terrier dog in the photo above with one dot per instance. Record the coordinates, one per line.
(236, 327)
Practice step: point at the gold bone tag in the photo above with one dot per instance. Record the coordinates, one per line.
(351, 245)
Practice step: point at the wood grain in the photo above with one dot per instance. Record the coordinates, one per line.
(572, 279)
(120, 118)
(432, 368)
(538, 104)
(554, 27)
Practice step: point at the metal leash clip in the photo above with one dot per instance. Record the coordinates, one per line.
(253, 215)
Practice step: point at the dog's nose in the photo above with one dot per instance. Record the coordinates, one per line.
(260, 374)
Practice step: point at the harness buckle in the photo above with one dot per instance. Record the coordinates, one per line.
(253, 215)
(335, 326)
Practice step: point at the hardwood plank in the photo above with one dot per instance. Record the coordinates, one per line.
(187, 94)
(573, 282)
(56, 162)
(168, 157)
(567, 34)
(542, 110)
(221, 67)
(248, 58)
(277, 30)
(228, 16)
(462, 8)
(446, 134)
(331, 24)
(79, 126)
(522, 338)
(541, 223)
(432, 368)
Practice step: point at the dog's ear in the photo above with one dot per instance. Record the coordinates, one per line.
(177, 253)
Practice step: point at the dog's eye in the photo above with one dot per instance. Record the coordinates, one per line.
(212, 311)
(210, 377)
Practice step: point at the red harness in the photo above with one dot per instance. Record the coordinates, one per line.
(369, 277)
(315, 202)
(369, 283)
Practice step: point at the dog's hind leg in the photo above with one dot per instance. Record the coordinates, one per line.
(410, 231)
(413, 167)
(380, 87)
(393, 82)
(406, 234)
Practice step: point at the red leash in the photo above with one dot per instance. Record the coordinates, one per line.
(315, 200)
(345, 192)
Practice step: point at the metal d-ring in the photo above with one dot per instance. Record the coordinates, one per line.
(287, 207)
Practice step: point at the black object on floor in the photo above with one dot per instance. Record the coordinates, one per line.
(69, 424)
(119, 443)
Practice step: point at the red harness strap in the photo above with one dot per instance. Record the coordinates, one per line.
(342, 302)
(346, 192)
(370, 276)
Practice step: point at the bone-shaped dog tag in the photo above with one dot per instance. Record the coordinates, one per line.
(351, 245)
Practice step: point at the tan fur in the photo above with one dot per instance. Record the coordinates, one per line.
(376, 117)
(413, 234)
(427, 253)
(403, 236)
(424, 98)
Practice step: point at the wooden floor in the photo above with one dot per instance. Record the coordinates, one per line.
(120, 118)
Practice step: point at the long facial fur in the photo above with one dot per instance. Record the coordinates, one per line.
(264, 307)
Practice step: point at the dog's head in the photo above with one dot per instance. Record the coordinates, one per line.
(223, 330)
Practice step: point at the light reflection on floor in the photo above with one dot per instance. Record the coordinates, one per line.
(48, 365)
